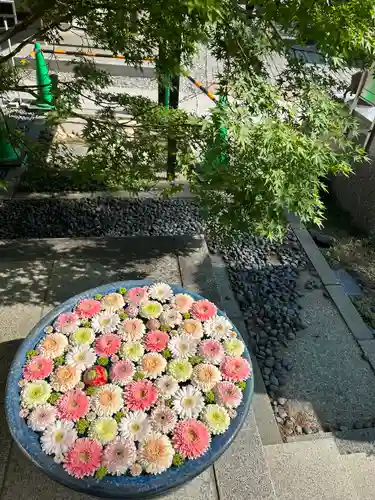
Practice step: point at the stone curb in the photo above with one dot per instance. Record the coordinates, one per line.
(344, 305)
(264, 416)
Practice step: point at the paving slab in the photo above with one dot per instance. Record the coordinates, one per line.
(242, 472)
(360, 468)
(309, 471)
(70, 277)
(368, 348)
(202, 487)
(356, 441)
(329, 373)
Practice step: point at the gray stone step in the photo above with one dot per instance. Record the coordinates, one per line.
(356, 441)
(242, 472)
(360, 468)
(309, 471)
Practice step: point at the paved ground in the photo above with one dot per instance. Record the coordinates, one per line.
(35, 275)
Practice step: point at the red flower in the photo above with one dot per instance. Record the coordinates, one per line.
(95, 376)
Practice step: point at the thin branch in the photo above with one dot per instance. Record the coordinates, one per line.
(18, 28)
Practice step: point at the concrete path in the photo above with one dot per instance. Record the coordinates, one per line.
(35, 275)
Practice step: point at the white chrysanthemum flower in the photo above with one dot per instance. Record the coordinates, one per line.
(113, 301)
(81, 356)
(183, 346)
(83, 336)
(161, 292)
(234, 347)
(188, 402)
(163, 419)
(132, 350)
(167, 386)
(107, 400)
(105, 322)
(155, 453)
(135, 426)
(153, 364)
(58, 437)
(218, 328)
(170, 317)
(103, 430)
(41, 417)
(205, 376)
(132, 329)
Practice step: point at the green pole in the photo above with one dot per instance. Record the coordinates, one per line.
(43, 80)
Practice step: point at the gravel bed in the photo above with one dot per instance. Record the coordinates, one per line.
(263, 274)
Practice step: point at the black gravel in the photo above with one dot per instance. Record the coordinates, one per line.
(263, 274)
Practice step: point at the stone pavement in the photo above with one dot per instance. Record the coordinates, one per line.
(35, 275)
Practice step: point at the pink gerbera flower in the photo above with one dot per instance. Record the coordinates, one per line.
(72, 405)
(212, 351)
(87, 308)
(122, 371)
(156, 340)
(191, 438)
(67, 323)
(136, 295)
(228, 394)
(84, 458)
(140, 395)
(38, 368)
(235, 368)
(203, 310)
(107, 344)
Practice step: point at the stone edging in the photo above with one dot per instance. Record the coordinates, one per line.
(264, 416)
(360, 331)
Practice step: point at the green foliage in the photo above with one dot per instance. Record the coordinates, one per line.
(118, 416)
(139, 376)
(195, 360)
(284, 136)
(103, 361)
(82, 425)
(209, 397)
(98, 296)
(167, 354)
(54, 397)
(31, 353)
(122, 291)
(58, 361)
(101, 473)
(178, 460)
(90, 390)
(241, 385)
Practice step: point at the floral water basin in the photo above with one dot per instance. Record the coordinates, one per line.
(129, 390)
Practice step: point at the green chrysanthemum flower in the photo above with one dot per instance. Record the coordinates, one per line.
(122, 291)
(123, 316)
(180, 369)
(83, 335)
(216, 418)
(103, 361)
(151, 309)
(132, 350)
(186, 315)
(101, 473)
(103, 430)
(30, 354)
(82, 426)
(53, 398)
(234, 347)
(178, 460)
(35, 393)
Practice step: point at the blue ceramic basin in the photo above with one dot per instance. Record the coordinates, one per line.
(124, 487)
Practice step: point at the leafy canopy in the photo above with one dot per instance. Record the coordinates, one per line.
(286, 133)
